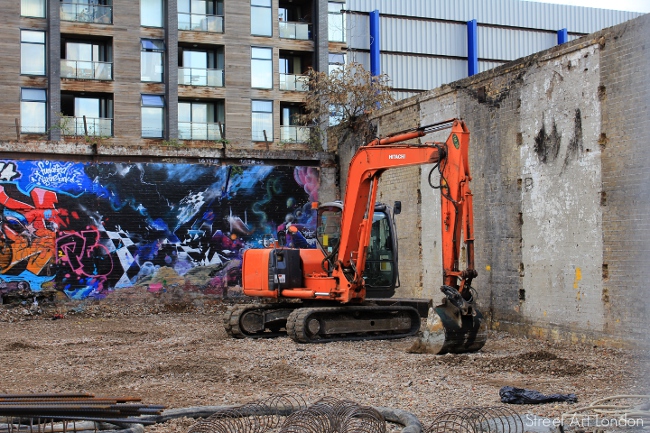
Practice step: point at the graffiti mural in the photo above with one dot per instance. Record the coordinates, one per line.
(90, 228)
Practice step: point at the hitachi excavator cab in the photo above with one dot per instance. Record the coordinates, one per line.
(381, 273)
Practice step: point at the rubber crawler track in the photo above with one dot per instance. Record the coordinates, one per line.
(232, 321)
(298, 319)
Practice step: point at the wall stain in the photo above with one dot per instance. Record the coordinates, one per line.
(547, 146)
(575, 147)
(556, 78)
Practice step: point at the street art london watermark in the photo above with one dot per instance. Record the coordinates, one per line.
(582, 420)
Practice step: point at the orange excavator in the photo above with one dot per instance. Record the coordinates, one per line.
(326, 294)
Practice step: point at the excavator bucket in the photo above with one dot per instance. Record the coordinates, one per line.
(452, 328)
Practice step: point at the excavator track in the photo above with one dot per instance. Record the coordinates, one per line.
(257, 321)
(351, 323)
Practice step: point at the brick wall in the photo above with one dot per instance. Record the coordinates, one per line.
(561, 202)
(625, 199)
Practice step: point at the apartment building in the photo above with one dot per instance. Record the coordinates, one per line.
(137, 72)
(152, 71)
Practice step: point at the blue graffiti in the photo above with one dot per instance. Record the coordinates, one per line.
(129, 222)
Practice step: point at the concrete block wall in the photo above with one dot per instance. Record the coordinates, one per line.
(559, 164)
(625, 195)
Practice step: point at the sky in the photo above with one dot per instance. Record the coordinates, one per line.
(621, 5)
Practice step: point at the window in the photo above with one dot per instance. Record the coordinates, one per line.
(151, 13)
(200, 67)
(151, 60)
(290, 131)
(335, 22)
(153, 116)
(291, 68)
(33, 111)
(87, 11)
(200, 15)
(335, 61)
(261, 18)
(294, 18)
(86, 60)
(262, 68)
(200, 120)
(32, 52)
(262, 115)
(90, 114)
(32, 8)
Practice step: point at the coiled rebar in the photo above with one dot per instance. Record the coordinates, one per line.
(328, 415)
(496, 419)
(255, 417)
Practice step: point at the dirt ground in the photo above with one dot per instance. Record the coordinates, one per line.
(184, 358)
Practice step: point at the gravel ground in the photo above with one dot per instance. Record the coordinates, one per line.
(183, 358)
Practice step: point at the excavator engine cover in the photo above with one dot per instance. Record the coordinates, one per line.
(285, 268)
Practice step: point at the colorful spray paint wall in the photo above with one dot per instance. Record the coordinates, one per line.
(87, 229)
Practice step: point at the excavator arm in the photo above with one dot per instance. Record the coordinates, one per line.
(366, 168)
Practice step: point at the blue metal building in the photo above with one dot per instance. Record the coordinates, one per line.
(423, 44)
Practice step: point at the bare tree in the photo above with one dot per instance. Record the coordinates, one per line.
(341, 102)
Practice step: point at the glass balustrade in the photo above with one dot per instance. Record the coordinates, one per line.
(294, 82)
(200, 77)
(200, 22)
(94, 127)
(289, 30)
(86, 70)
(198, 131)
(295, 134)
(86, 13)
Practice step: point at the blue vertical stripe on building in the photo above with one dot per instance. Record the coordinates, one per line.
(375, 64)
(472, 48)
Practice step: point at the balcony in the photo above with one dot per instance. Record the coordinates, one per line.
(295, 134)
(198, 131)
(84, 70)
(300, 31)
(200, 77)
(86, 126)
(297, 83)
(86, 13)
(200, 22)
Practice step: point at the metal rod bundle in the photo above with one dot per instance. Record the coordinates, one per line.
(28, 412)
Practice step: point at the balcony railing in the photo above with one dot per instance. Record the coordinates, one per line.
(300, 31)
(294, 82)
(85, 70)
(198, 131)
(295, 134)
(200, 77)
(86, 13)
(200, 22)
(94, 127)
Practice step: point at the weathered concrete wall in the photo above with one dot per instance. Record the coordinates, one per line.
(559, 162)
(562, 245)
(625, 198)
